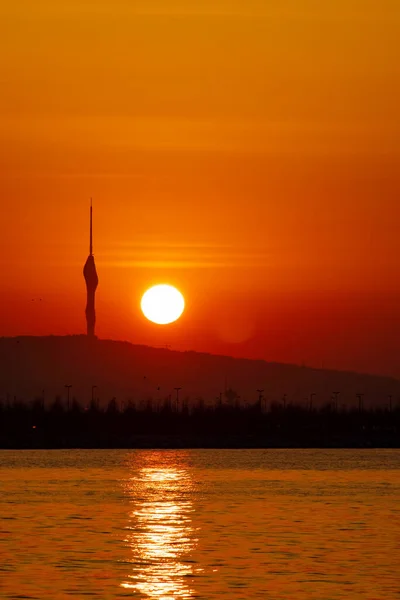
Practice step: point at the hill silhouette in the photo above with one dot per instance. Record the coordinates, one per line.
(41, 367)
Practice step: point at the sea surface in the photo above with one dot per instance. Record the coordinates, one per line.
(211, 524)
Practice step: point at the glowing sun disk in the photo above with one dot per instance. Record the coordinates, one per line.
(162, 304)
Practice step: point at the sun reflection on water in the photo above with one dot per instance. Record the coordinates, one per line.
(160, 531)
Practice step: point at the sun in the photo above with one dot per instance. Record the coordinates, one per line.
(162, 304)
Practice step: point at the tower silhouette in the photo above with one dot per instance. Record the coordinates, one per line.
(90, 275)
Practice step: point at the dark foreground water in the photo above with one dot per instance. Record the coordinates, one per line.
(235, 524)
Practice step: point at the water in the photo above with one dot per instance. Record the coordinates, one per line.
(237, 524)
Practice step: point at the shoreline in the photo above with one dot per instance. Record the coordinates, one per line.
(176, 442)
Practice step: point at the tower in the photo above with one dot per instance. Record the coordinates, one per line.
(90, 275)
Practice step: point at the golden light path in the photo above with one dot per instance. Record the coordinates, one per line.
(160, 533)
(162, 304)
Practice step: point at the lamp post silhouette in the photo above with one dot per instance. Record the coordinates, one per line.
(311, 400)
(284, 401)
(94, 387)
(68, 387)
(335, 399)
(360, 402)
(390, 403)
(177, 389)
(260, 398)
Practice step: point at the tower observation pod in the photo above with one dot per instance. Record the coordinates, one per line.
(91, 279)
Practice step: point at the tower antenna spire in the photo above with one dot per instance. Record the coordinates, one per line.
(90, 275)
(91, 228)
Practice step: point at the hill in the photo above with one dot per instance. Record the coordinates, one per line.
(41, 366)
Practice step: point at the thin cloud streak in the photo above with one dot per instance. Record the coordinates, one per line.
(228, 135)
(138, 244)
(173, 264)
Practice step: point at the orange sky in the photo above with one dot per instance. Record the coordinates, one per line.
(246, 151)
